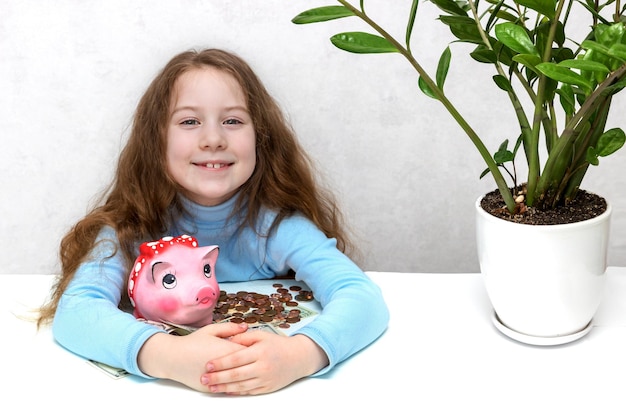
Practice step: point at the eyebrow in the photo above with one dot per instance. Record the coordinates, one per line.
(194, 109)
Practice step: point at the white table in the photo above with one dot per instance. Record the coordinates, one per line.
(441, 356)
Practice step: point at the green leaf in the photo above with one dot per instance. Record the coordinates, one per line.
(425, 88)
(503, 155)
(442, 67)
(502, 15)
(503, 83)
(618, 51)
(594, 46)
(609, 35)
(322, 14)
(568, 102)
(503, 52)
(362, 43)
(463, 27)
(561, 54)
(584, 65)
(529, 61)
(450, 6)
(516, 38)
(559, 35)
(545, 7)
(494, 15)
(519, 141)
(564, 75)
(610, 141)
(484, 55)
(411, 22)
(550, 89)
(592, 156)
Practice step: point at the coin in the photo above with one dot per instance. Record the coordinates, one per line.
(304, 296)
(253, 307)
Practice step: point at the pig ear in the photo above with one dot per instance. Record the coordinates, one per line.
(159, 270)
(211, 254)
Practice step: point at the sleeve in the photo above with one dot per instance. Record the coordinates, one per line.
(354, 312)
(88, 321)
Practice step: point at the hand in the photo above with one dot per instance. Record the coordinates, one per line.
(184, 358)
(269, 363)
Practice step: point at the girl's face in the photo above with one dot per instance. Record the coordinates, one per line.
(210, 136)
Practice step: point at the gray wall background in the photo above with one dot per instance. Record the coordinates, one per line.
(71, 73)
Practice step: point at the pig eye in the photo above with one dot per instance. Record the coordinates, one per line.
(169, 281)
(207, 271)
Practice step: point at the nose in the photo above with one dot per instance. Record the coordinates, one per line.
(212, 138)
(206, 295)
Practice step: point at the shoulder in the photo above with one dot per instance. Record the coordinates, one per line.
(296, 239)
(296, 226)
(106, 243)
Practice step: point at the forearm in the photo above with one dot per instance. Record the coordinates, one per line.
(184, 358)
(354, 317)
(96, 329)
(310, 355)
(154, 356)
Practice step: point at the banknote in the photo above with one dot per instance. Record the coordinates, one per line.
(115, 373)
(265, 328)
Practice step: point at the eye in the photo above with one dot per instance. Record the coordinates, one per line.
(207, 271)
(232, 122)
(169, 281)
(190, 122)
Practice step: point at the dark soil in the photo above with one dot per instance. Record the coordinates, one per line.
(584, 206)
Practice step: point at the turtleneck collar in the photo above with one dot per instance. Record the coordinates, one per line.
(199, 214)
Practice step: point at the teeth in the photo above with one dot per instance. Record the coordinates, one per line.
(215, 165)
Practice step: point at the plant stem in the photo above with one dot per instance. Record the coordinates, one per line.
(534, 171)
(583, 115)
(517, 105)
(478, 143)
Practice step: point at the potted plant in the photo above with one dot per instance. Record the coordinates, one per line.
(569, 80)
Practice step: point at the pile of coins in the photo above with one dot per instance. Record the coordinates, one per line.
(279, 308)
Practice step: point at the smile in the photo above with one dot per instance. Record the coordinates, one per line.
(212, 165)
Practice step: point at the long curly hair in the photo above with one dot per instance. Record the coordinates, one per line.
(142, 198)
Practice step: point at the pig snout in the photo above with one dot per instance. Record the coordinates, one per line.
(206, 295)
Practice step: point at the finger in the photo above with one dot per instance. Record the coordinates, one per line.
(232, 361)
(225, 330)
(220, 372)
(253, 386)
(249, 338)
(236, 382)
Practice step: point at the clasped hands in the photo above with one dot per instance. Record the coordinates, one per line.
(262, 362)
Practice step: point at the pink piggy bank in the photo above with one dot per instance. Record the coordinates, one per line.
(173, 281)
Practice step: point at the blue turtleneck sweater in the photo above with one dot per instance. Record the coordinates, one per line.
(89, 323)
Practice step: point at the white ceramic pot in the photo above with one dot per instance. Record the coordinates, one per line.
(545, 283)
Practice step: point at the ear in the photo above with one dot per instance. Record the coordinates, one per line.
(211, 254)
(159, 268)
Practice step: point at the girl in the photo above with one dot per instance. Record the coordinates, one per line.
(211, 155)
